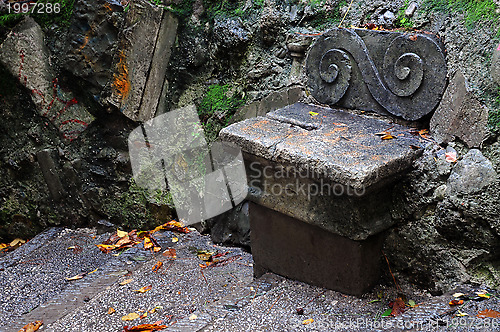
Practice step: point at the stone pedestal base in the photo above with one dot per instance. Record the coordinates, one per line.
(297, 250)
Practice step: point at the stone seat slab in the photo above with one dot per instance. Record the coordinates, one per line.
(332, 144)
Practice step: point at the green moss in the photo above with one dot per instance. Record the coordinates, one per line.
(401, 20)
(217, 107)
(326, 18)
(475, 11)
(183, 9)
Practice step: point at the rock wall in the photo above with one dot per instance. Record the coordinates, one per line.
(234, 60)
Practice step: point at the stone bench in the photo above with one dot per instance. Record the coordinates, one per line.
(321, 179)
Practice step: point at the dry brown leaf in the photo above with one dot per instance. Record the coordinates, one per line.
(388, 136)
(172, 226)
(111, 310)
(144, 328)
(144, 289)
(488, 313)
(31, 327)
(456, 302)
(131, 316)
(398, 307)
(157, 266)
(126, 281)
(78, 276)
(120, 233)
(170, 253)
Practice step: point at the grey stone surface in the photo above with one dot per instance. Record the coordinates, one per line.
(410, 10)
(460, 115)
(471, 174)
(26, 57)
(142, 59)
(335, 145)
(378, 71)
(50, 173)
(495, 65)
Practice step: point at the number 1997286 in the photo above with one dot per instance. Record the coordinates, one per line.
(33, 7)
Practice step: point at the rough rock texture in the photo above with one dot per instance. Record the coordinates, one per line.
(495, 65)
(460, 115)
(25, 55)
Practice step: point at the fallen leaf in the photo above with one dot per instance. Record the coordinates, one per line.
(172, 226)
(120, 233)
(411, 303)
(488, 313)
(424, 133)
(31, 327)
(170, 253)
(387, 313)
(456, 302)
(144, 315)
(69, 248)
(458, 295)
(131, 316)
(157, 266)
(111, 310)
(313, 113)
(17, 242)
(144, 328)
(398, 307)
(451, 157)
(461, 314)
(105, 248)
(204, 255)
(126, 281)
(388, 136)
(174, 239)
(483, 294)
(193, 317)
(78, 276)
(148, 243)
(144, 289)
(307, 321)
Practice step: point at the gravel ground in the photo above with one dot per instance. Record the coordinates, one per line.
(186, 297)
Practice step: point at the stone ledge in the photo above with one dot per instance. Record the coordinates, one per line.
(335, 145)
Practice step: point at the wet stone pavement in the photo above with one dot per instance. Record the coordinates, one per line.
(186, 297)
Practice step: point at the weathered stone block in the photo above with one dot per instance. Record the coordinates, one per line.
(460, 115)
(305, 252)
(142, 60)
(329, 169)
(403, 74)
(24, 54)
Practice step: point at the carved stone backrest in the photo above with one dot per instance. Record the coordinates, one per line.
(403, 74)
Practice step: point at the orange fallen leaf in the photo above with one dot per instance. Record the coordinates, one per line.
(144, 328)
(130, 316)
(111, 310)
(157, 266)
(148, 243)
(31, 327)
(170, 253)
(456, 302)
(488, 313)
(144, 315)
(172, 226)
(105, 248)
(175, 239)
(144, 289)
(388, 136)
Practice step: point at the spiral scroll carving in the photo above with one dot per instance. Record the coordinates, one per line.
(406, 77)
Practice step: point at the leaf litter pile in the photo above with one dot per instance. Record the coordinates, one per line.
(121, 240)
